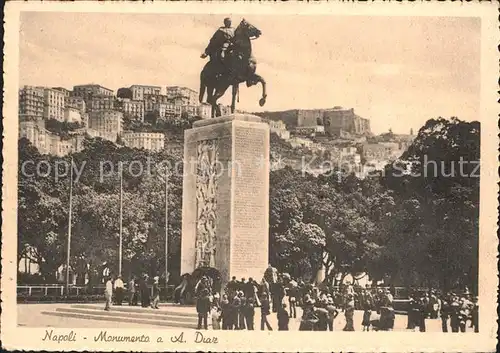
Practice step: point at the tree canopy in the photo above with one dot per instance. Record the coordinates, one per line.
(408, 225)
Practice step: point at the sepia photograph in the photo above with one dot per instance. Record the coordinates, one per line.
(249, 171)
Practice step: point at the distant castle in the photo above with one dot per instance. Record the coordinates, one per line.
(336, 121)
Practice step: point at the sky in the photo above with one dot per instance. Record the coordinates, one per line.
(396, 71)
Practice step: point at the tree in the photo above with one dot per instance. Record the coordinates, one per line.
(433, 237)
(42, 214)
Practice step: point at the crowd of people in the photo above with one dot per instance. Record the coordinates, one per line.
(234, 308)
(137, 290)
(320, 306)
(454, 310)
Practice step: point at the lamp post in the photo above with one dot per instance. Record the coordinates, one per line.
(68, 250)
(120, 249)
(166, 230)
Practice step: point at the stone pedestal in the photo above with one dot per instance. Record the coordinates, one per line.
(225, 201)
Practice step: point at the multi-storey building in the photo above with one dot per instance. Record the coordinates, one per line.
(182, 95)
(337, 120)
(101, 102)
(204, 111)
(150, 100)
(90, 90)
(72, 115)
(300, 142)
(36, 133)
(139, 91)
(168, 111)
(65, 91)
(107, 122)
(279, 128)
(53, 104)
(31, 101)
(102, 134)
(75, 102)
(225, 109)
(58, 146)
(133, 108)
(47, 142)
(310, 130)
(152, 141)
(380, 151)
(190, 110)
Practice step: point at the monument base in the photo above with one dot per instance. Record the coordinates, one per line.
(225, 209)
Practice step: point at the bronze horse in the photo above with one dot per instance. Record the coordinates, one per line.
(240, 66)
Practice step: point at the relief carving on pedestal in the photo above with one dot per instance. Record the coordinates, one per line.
(206, 189)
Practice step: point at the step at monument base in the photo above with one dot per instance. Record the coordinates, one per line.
(177, 317)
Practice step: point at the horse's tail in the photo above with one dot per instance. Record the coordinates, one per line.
(203, 86)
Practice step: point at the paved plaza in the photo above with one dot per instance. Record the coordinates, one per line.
(33, 315)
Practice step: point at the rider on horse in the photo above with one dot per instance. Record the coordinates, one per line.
(231, 63)
(219, 43)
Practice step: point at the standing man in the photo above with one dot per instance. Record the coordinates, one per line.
(108, 293)
(231, 287)
(423, 310)
(235, 312)
(292, 300)
(226, 313)
(349, 313)
(119, 290)
(445, 313)
(433, 305)
(454, 314)
(132, 298)
(156, 293)
(475, 315)
(264, 312)
(145, 295)
(241, 311)
(332, 313)
(283, 318)
(413, 312)
(203, 308)
(250, 314)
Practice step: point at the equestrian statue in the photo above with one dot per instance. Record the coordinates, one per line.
(231, 63)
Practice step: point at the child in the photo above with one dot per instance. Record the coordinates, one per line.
(366, 318)
(216, 317)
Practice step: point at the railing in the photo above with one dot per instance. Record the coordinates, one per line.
(59, 289)
(399, 292)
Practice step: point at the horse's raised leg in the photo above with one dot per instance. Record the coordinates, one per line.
(254, 80)
(235, 94)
